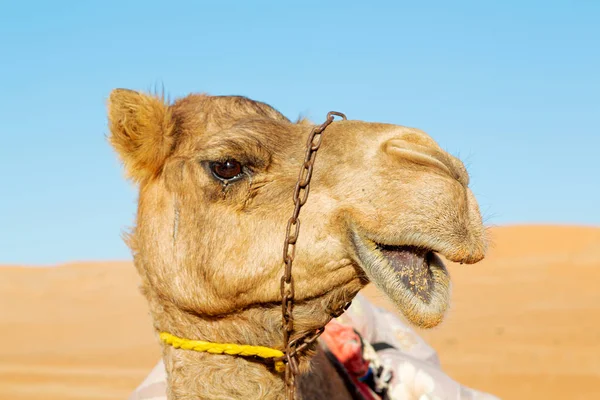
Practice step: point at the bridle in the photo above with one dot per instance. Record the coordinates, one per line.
(292, 348)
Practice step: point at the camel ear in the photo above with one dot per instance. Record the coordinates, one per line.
(142, 132)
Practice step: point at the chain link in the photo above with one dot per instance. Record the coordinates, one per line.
(296, 346)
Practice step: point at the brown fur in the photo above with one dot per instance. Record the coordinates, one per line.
(209, 254)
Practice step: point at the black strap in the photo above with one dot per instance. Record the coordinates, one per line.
(382, 346)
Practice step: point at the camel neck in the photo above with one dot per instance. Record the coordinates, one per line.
(210, 376)
(214, 376)
(202, 375)
(198, 375)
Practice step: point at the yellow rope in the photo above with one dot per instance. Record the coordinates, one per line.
(243, 350)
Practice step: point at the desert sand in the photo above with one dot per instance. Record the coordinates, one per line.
(524, 323)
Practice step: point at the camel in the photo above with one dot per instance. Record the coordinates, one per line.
(216, 176)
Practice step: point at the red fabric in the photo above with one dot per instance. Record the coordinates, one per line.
(345, 344)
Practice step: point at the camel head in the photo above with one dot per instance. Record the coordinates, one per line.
(216, 177)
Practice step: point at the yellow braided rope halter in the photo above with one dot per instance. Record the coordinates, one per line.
(243, 350)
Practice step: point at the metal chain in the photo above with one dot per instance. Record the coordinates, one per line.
(296, 346)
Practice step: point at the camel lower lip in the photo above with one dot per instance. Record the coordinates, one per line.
(413, 277)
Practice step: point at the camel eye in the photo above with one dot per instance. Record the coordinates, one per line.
(227, 170)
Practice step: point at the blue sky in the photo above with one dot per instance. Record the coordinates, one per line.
(511, 87)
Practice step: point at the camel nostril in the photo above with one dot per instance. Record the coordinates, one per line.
(427, 155)
(416, 153)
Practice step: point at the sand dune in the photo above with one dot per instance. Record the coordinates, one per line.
(524, 324)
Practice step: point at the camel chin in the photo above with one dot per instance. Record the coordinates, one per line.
(414, 278)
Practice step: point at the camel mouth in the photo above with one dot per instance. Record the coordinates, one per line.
(413, 277)
(412, 264)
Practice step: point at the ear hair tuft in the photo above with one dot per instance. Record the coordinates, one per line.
(142, 132)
